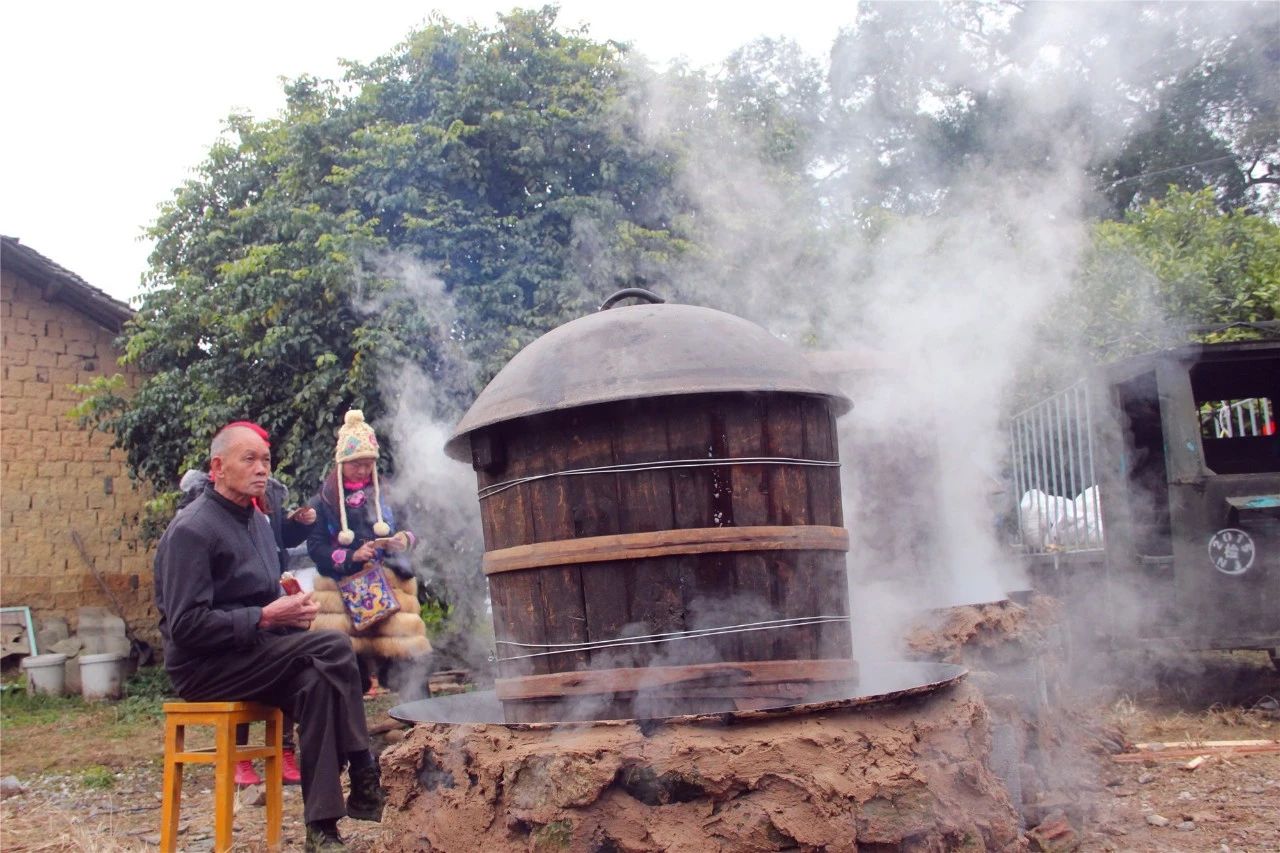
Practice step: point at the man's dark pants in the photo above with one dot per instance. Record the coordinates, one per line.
(314, 676)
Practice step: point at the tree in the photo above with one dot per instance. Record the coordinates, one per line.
(1175, 262)
(1215, 123)
(443, 206)
(925, 95)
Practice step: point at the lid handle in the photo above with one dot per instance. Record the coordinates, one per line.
(629, 292)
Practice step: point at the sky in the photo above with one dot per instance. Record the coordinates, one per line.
(108, 106)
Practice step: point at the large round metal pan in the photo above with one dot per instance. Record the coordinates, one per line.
(877, 684)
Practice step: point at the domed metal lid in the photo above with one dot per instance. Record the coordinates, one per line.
(640, 351)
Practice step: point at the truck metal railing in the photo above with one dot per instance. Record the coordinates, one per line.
(1054, 474)
(1250, 418)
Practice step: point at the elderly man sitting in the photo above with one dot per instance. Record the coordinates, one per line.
(232, 635)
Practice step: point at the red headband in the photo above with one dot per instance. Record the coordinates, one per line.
(259, 431)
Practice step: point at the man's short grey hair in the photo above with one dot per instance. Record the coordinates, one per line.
(222, 440)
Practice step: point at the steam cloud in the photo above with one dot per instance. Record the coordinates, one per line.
(936, 313)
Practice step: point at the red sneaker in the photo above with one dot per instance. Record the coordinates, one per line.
(246, 775)
(289, 768)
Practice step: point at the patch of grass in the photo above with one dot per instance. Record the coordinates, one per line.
(146, 691)
(150, 682)
(98, 778)
(19, 710)
(139, 709)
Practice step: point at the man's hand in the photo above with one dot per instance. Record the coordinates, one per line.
(289, 611)
(303, 515)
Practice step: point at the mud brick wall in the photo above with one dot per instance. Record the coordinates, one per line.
(56, 476)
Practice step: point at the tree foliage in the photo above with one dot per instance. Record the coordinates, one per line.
(441, 207)
(448, 202)
(1148, 95)
(1174, 263)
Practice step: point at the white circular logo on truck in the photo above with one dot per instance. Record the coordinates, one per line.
(1231, 551)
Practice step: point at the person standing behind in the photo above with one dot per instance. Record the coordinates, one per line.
(355, 528)
(231, 635)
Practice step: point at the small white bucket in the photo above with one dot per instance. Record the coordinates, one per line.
(101, 676)
(45, 674)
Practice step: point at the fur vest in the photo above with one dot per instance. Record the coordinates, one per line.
(402, 636)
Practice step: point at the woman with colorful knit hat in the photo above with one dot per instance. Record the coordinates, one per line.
(356, 527)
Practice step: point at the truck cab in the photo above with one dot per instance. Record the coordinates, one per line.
(1150, 497)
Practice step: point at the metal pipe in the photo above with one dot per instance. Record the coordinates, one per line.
(1037, 470)
(1093, 472)
(1073, 467)
(1060, 457)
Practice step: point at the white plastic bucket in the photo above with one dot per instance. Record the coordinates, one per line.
(101, 676)
(45, 674)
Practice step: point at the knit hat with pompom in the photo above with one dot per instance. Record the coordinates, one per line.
(356, 440)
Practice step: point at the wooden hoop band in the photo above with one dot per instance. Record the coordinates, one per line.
(665, 543)
(701, 677)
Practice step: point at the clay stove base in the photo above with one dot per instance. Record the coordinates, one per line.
(910, 774)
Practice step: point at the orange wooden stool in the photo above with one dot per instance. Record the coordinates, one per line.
(224, 717)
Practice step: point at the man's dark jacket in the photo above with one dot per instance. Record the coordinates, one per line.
(288, 533)
(216, 568)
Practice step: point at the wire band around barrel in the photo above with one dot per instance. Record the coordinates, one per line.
(661, 465)
(674, 636)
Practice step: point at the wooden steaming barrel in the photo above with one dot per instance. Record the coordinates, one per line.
(650, 549)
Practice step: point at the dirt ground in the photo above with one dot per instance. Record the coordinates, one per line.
(91, 776)
(1231, 802)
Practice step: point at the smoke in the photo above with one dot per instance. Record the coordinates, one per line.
(945, 275)
(434, 494)
(948, 279)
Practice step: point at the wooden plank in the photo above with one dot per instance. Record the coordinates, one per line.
(507, 515)
(745, 438)
(607, 589)
(794, 597)
(688, 437)
(744, 425)
(488, 519)
(720, 496)
(663, 543)
(831, 598)
(693, 675)
(790, 691)
(820, 443)
(260, 711)
(608, 593)
(564, 614)
(831, 587)
(516, 618)
(517, 600)
(655, 586)
(592, 498)
(549, 497)
(644, 497)
(788, 486)
(1179, 754)
(655, 595)
(708, 603)
(560, 603)
(1159, 746)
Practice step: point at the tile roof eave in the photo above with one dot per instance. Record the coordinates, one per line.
(61, 284)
